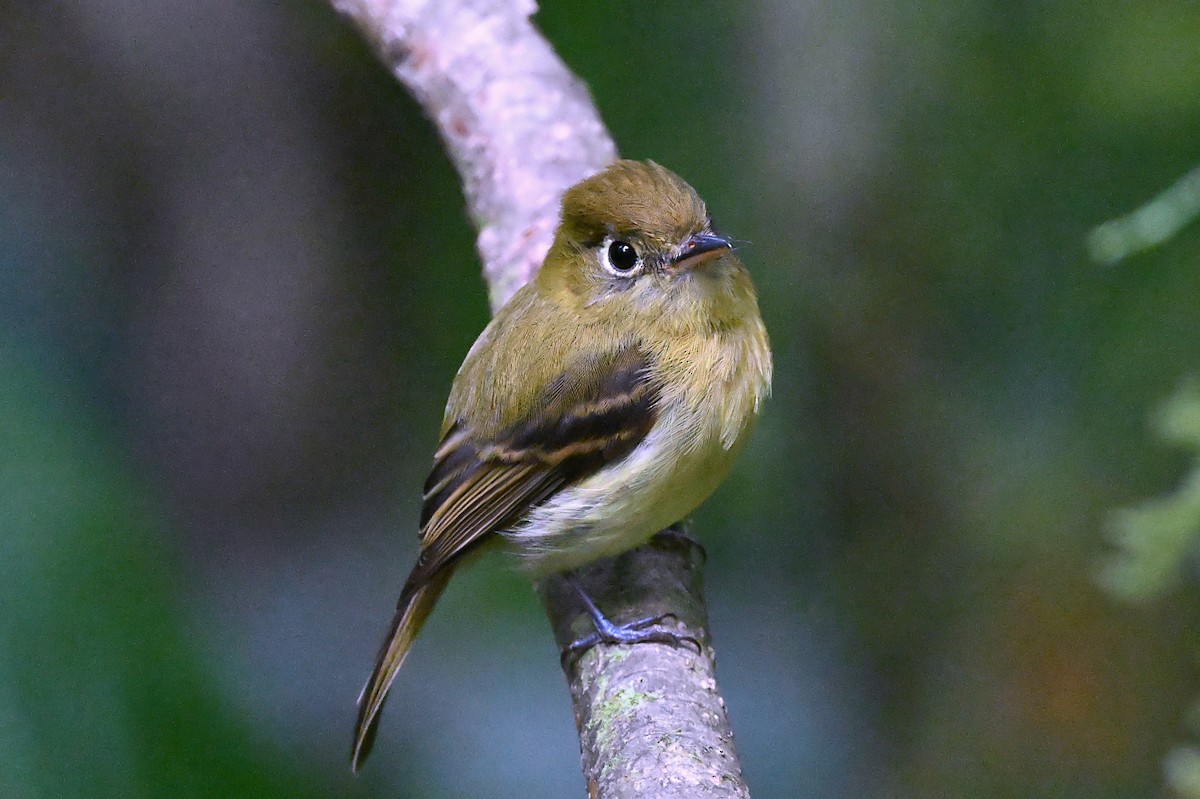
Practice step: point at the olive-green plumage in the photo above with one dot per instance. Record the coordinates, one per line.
(604, 402)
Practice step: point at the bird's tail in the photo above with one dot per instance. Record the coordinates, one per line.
(416, 601)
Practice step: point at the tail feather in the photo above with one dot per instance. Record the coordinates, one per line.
(416, 602)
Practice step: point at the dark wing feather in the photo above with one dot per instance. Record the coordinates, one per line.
(589, 416)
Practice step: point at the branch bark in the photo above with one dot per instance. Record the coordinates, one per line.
(521, 129)
(651, 719)
(518, 125)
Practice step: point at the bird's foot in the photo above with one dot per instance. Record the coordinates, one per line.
(635, 632)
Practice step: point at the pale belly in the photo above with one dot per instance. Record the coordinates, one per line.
(677, 466)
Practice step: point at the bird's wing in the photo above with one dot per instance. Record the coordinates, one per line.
(589, 416)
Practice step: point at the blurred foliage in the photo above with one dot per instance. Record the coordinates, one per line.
(1157, 543)
(1156, 539)
(1183, 772)
(236, 279)
(1148, 226)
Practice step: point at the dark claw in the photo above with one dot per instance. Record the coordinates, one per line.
(634, 632)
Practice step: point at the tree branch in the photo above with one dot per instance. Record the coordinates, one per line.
(651, 720)
(518, 125)
(521, 129)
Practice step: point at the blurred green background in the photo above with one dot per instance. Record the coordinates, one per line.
(236, 279)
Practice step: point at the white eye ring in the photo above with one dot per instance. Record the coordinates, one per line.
(615, 257)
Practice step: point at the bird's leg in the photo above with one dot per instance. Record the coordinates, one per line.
(607, 632)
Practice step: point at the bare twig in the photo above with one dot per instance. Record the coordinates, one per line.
(521, 129)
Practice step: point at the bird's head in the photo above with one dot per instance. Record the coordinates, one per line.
(635, 244)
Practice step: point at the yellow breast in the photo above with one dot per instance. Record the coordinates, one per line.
(712, 390)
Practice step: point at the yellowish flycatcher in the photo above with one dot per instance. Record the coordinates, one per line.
(604, 402)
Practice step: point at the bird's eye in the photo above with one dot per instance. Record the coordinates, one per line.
(621, 258)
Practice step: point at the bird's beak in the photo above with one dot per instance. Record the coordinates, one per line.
(699, 249)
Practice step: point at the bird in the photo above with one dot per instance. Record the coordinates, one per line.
(605, 401)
